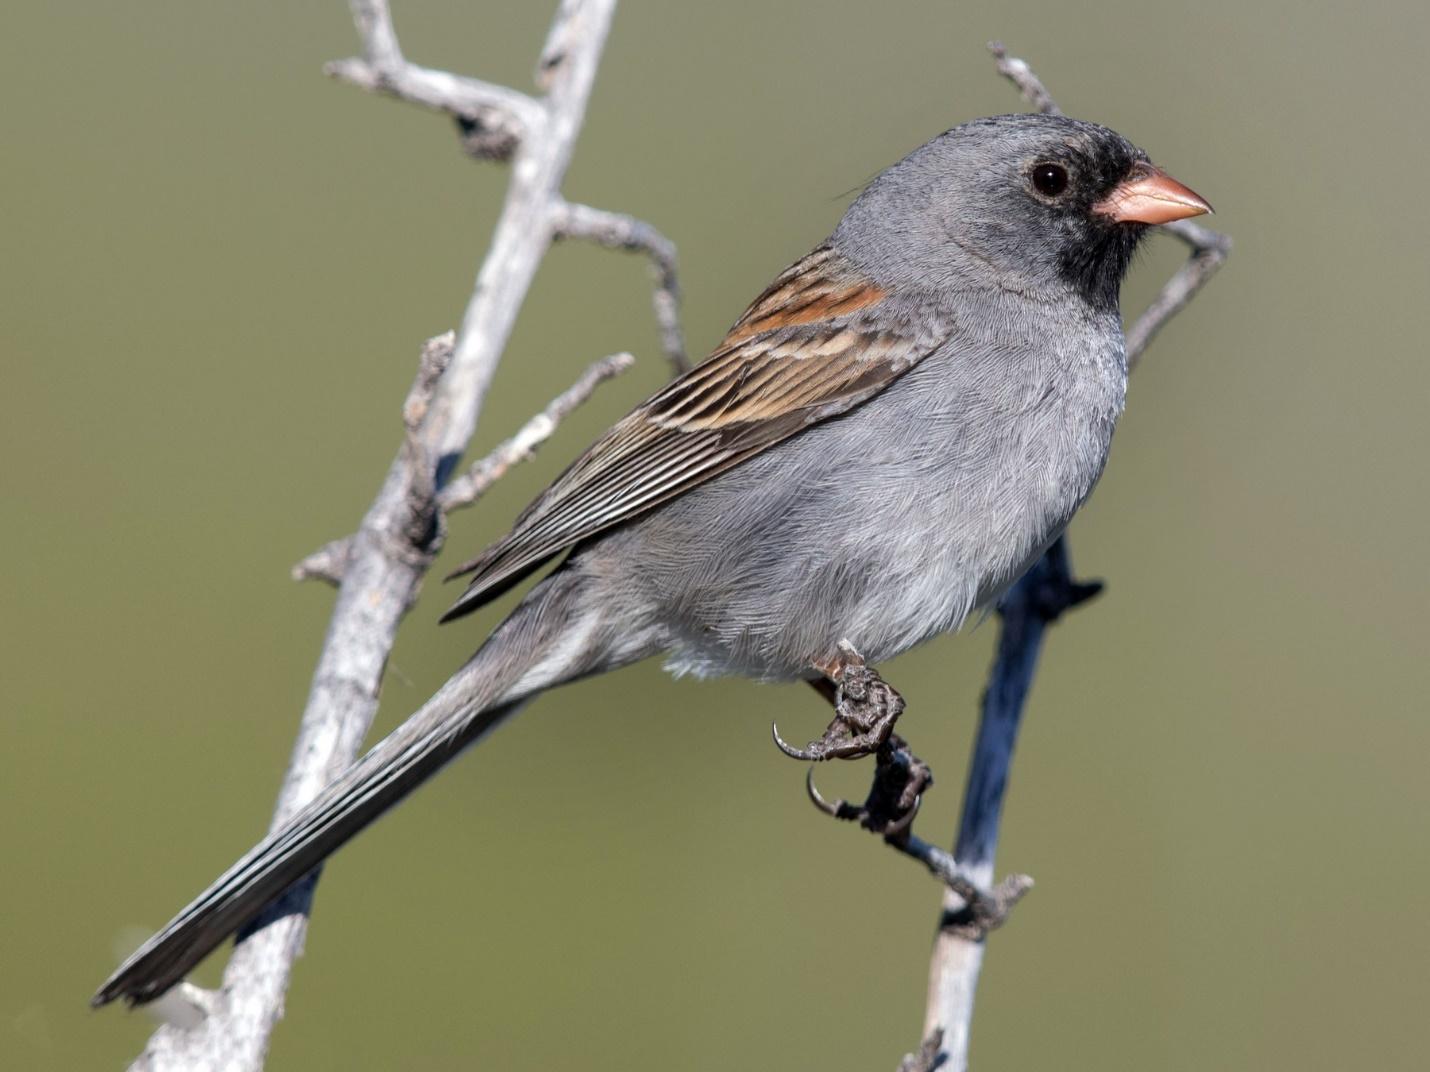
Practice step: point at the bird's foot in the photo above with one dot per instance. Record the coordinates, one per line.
(900, 778)
(865, 710)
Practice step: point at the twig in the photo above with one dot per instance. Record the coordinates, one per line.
(926, 1059)
(473, 484)
(494, 118)
(1210, 250)
(1044, 593)
(617, 231)
(327, 563)
(1021, 75)
(380, 567)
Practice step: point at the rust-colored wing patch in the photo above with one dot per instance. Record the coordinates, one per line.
(817, 288)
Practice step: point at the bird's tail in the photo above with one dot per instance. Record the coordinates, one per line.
(554, 636)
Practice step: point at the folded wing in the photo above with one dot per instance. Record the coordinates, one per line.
(818, 342)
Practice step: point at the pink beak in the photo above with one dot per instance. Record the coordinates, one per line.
(1150, 195)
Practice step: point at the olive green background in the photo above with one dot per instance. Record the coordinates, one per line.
(217, 270)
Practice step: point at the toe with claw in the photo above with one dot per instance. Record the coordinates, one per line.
(865, 710)
(900, 779)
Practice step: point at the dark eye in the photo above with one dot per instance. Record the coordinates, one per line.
(1050, 179)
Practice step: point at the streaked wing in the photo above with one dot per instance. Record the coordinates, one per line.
(811, 346)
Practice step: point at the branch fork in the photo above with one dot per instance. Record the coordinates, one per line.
(378, 570)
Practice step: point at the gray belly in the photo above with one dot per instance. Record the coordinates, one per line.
(885, 526)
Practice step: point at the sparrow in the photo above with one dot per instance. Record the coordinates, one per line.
(891, 433)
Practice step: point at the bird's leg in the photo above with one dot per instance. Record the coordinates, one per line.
(865, 710)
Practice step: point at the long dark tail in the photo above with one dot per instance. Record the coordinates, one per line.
(554, 636)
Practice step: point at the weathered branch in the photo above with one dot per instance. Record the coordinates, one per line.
(379, 568)
(474, 483)
(327, 563)
(926, 1057)
(1021, 75)
(1035, 602)
(1210, 250)
(494, 118)
(615, 230)
(1042, 595)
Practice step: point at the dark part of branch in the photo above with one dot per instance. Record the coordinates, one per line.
(1039, 598)
(1021, 75)
(987, 912)
(928, 1057)
(483, 141)
(900, 779)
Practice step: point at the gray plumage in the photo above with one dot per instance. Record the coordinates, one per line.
(888, 437)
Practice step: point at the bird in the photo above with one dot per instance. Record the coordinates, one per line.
(892, 432)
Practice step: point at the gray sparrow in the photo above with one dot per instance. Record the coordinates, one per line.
(891, 433)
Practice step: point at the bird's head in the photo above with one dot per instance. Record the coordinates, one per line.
(1040, 204)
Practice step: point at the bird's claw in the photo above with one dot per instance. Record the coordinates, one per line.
(900, 779)
(865, 710)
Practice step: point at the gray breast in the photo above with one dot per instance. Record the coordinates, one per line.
(889, 524)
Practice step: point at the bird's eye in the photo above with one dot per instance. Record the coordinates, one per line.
(1050, 179)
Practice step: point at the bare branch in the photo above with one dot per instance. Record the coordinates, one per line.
(327, 563)
(494, 118)
(614, 230)
(436, 356)
(1210, 250)
(1021, 75)
(474, 483)
(888, 811)
(926, 1059)
(386, 558)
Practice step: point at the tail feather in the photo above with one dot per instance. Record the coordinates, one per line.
(530, 651)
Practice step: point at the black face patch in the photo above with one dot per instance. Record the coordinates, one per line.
(1094, 253)
(1096, 266)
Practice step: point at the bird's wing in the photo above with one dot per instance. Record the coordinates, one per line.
(817, 342)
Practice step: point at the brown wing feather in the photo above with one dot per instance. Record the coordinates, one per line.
(806, 349)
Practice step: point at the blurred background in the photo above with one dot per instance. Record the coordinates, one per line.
(218, 269)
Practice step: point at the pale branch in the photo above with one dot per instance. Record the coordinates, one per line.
(982, 909)
(1037, 600)
(615, 230)
(494, 118)
(900, 779)
(431, 365)
(1021, 75)
(326, 564)
(474, 483)
(379, 568)
(1210, 250)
